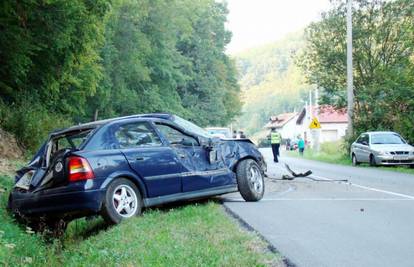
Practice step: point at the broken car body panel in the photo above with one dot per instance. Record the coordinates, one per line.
(163, 170)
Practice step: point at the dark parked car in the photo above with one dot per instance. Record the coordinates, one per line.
(118, 166)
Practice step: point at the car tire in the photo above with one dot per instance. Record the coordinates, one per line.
(355, 162)
(122, 201)
(250, 180)
(372, 161)
(412, 166)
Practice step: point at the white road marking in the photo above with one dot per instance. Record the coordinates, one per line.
(325, 199)
(338, 199)
(370, 188)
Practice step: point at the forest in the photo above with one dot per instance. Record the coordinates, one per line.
(271, 82)
(65, 62)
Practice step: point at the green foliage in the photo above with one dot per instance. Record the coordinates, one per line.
(79, 60)
(49, 52)
(383, 35)
(191, 235)
(31, 123)
(271, 83)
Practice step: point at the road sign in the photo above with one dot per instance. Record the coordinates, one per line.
(315, 124)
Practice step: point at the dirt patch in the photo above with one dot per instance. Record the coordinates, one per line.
(7, 167)
(9, 148)
(11, 153)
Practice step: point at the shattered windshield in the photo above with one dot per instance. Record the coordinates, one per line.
(191, 127)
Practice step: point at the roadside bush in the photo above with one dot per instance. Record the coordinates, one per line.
(30, 123)
(334, 148)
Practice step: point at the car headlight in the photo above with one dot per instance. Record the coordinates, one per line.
(383, 152)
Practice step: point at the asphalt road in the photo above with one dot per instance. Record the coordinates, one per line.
(368, 221)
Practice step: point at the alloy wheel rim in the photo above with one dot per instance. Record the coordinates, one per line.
(256, 179)
(124, 201)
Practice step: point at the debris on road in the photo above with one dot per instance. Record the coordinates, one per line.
(306, 174)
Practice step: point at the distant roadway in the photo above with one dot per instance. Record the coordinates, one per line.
(368, 221)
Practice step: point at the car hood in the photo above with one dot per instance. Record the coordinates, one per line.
(237, 139)
(392, 147)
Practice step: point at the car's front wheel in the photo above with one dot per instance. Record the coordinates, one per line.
(122, 201)
(250, 180)
(372, 161)
(354, 160)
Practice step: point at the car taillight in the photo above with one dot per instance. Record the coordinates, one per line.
(79, 169)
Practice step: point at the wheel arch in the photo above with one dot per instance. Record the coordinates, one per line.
(137, 181)
(234, 167)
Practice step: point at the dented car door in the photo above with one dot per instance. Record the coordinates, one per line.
(199, 171)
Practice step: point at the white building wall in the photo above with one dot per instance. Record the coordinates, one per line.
(332, 131)
(289, 130)
(329, 131)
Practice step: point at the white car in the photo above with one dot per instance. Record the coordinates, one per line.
(382, 148)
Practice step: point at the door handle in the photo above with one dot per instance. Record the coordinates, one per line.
(139, 158)
(181, 155)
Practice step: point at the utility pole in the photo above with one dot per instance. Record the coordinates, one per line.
(317, 103)
(349, 78)
(310, 105)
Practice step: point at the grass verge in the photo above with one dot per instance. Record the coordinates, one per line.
(199, 234)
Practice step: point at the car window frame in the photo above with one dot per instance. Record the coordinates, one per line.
(359, 139)
(165, 139)
(150, 126)
(363, 137)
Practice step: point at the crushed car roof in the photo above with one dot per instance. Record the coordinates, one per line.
(94, 124)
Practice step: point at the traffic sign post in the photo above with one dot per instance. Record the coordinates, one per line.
(314, 124)
(315, 128)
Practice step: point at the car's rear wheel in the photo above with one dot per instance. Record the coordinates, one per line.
(250, 180)
(122, 201)
(372, 161)
(355, 162)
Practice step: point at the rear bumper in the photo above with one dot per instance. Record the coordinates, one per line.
(73, 203)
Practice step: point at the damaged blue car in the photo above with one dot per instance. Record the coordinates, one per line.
(117, 167)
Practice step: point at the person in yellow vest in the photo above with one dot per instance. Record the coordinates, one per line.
(275, 139)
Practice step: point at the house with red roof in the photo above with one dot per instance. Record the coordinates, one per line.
(333, 122)
(285, 123)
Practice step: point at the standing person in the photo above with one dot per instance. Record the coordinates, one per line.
(288, 144)
(234, 134)
(301, 145)
(275, 139)
(242, 135)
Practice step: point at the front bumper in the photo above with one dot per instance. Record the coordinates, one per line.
(392, 160)
(56, 204)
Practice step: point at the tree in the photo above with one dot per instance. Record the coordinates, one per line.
(383, 34)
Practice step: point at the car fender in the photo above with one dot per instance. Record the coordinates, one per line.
(242, 157)
(137, 180)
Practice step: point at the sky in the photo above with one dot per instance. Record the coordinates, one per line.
(257, 22)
